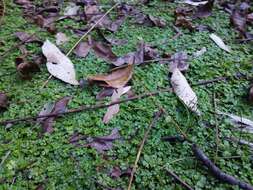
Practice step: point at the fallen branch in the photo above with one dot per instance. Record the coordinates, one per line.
(220, 175)
(156, 117)
(87, 107)
(179, 180)
(133, 98)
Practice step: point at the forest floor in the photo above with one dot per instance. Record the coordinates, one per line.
(29, 161)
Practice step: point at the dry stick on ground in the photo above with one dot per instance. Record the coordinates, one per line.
(220, 175)
(99, 106)
(179, 180)
(156, 117)
(82, 37)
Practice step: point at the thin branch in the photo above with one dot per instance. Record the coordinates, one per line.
(100, 106)
(156, 117)
(179, 180)
(88, 107)
(217, 172)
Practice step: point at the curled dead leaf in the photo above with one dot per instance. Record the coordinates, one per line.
(59, 107)
(183, 90)
(114, 109)
(116, 79)
(82, 49)
(58, 64)
(26, 68)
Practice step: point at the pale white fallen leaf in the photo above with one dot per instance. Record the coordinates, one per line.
(184, 91)
(200, 52)
(71, 9)
(190, 2)
(114, 109)
(61, 38)
(58, 64)
(219, 42)
(242, 123)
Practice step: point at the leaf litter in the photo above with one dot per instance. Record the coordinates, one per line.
(101, 144)
(59, 65)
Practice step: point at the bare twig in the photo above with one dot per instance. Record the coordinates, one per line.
(100, 106)
(156, 117)
(220, 175)
(179, 180)
(83, 36)
(88, 107)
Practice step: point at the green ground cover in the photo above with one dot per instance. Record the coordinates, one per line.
(59, 165)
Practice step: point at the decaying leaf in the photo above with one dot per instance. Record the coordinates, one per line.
(27, 38)
(220, 42)
(47, 109)
(3, 101)
(182, 19)
(59, 107)
(184, 91)
(61, 38)
(140, 17)
(205, 10)
(101, 144)
(103, 51)
(143, 53)
(179, 61)
(105, 93)
(82, 49)
(116, 79)
(26, 68)
(238, 19)
(58, 64)
(242, 124)
(104, 143)
(93, 14)
(117, 42)
(116, 172)
(114, 109)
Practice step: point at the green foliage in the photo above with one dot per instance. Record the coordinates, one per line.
(60, 165)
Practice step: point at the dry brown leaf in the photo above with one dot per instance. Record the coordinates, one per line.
(114, 109)
(58, 64)
(116, 79)
(82, 49)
